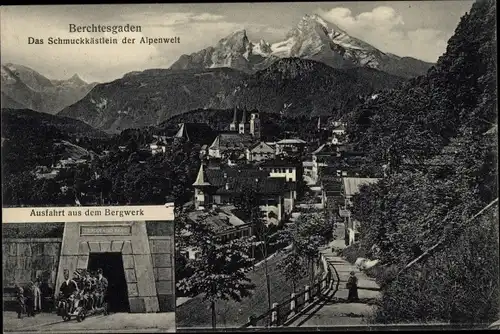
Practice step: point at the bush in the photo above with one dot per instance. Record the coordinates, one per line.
(458, 284)
(352, 252)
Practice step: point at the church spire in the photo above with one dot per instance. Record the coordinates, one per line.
(234, 124)
(235, 116)
(200, 179)
(244, 117)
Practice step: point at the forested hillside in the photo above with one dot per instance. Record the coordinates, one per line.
(274, 126)
(29, 138)
(437, 138)
(291, 86)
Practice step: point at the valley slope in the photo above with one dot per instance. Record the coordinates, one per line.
(293, 86)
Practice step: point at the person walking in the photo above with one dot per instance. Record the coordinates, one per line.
(352, 285)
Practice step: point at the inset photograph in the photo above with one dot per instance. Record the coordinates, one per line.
(81, 276)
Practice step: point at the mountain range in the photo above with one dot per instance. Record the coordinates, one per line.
(25, 88)
(317, 70)
(313, 38)
(290, 86)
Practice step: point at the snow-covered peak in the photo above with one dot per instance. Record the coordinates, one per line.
(314, 18)
(11, 66)
(236, 42)
(334, 33)
(6, 76)
(262, 48)
(312, 38)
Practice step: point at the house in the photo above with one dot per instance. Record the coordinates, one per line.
(224, 184)
(290, 147)
(228, 144)
(223, 220)
(197, 133)
(288, 170)
(342, 158)
(350, 187)
(158, 147)
(260, 152)
(160, 138)
(338, 129)
(331, 190)
(322, 157)
(47, 174)
(338, 133)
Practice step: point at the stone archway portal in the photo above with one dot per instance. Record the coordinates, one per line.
(128, 238)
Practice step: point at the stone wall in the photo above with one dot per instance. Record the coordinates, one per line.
(24, 259)
(161, 244)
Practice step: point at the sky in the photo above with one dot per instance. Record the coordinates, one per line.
(418, 29)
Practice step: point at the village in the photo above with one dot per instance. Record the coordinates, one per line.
(283, 171)
(289, 176)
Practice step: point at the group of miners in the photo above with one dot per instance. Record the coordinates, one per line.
(89, 288)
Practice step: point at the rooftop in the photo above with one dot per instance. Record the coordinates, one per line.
(280, 163)
(200, 133)
(262, 146)
(353, 184)
(231, 180)
(291, 141)
(340, 127)
(231, 140)
(220, 219)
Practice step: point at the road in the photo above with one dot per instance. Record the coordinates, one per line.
(116, 322)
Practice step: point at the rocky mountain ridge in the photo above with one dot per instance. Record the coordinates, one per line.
(25, 88)
(313, 38)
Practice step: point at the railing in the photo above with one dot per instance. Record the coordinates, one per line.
(280, 313)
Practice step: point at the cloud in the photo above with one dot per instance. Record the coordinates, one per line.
(158, 19)
(384, 28)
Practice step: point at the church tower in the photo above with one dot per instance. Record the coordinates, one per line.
(244, 125)
(232, 126)
(255, 125)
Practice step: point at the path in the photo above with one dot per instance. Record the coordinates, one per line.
(334, 310)
(121, 322)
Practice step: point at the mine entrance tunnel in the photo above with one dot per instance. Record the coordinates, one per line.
(112, 268)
